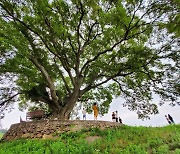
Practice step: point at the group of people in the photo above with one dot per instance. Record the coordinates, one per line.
(169, 119)
(115, 117)
(95, 110)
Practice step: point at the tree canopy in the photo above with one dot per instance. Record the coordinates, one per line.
(60, 52)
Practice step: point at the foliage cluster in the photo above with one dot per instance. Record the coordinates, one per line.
(125, 139)
(59, 53)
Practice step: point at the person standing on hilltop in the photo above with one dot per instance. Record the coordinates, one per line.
(171, 119)
(95, 109)
(120, 120)
(113, 117)
(84, 114)
(168, 119)
(116, 115)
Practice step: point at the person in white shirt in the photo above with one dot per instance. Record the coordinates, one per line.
(84, 114)
(116, 116)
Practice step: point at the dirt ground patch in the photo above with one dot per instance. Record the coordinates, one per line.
(91, 139)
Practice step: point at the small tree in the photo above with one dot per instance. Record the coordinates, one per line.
(61, 52)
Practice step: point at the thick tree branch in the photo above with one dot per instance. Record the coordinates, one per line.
(64, 59)
(103, 52)
(121, 87)
(79, 26)
(62, 76)
(48, 79)
(10, 98)
(126, 37)
(42, 69)
(88, 41)
(73, 49)
(47, 101)
(46, 45)
(89, 33)
(105, 81)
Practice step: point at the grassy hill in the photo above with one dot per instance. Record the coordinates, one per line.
(122, 140)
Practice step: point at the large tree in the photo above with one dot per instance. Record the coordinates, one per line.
(61, 52)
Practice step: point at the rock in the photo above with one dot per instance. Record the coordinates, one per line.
(39, 136)
(27, 135)
(45, 136)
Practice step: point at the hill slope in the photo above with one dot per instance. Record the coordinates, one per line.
(124, 139)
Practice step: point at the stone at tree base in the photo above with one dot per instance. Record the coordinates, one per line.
(45, 136)
(39, 135)
(27, 135)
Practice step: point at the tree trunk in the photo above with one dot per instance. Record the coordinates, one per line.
(60, 115)
(63, 112)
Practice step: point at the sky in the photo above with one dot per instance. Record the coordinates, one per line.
(128, 117)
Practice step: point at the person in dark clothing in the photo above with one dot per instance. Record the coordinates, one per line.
(120, 120)
(171, 119)
(113, 117)
(116, 115)
(168, 119)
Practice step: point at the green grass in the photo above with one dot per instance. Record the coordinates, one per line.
(122, 140)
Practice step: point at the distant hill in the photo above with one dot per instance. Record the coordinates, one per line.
(3, 131)
(120, 140)
(1, 134)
